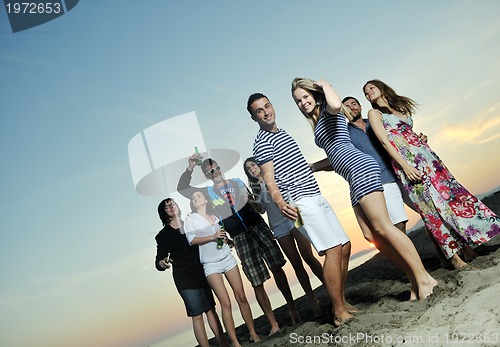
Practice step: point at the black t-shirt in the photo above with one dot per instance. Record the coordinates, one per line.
(187, 270)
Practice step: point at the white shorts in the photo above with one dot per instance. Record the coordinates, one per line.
(394, 202)
(406, 197)
(221, 266)
(321, 224)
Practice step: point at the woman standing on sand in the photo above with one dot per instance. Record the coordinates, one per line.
(455, 217)
(172, 248)
(203, 229)
(321, 105)
(285, 232)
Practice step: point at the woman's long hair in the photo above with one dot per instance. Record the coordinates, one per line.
(165, 219)
(253, 181)
(209, 207)
(318, 96)
(396, 102)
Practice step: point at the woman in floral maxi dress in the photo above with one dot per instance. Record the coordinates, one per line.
(455, 217)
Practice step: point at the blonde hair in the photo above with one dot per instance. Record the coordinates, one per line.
(318, 96)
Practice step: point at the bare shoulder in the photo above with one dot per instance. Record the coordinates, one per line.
(374, 114)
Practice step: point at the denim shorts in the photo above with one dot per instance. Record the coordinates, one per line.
(197, 301)
(282, 229)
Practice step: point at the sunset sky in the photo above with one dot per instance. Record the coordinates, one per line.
(77, 241)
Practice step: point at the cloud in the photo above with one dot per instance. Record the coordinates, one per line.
(482, 127)
(35, 288)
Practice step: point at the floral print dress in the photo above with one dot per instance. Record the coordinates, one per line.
(450, 212)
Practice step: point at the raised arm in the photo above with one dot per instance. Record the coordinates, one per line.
(375, 119)
(333, 101)
(184, 185)
(288, 210)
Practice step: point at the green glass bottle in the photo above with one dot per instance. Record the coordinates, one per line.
(220, 240)
(198, 161)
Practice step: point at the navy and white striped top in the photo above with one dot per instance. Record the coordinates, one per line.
(360, 170)
(291, 171)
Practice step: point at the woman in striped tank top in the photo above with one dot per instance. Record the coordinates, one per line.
(321, 105)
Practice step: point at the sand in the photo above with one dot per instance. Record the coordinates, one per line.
(464, 309)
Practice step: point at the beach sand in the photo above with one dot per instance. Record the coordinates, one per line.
(463, 310)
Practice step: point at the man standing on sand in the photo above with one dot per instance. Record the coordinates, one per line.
(363, 138)
(253, 240)
(286, 173)
(359, 132)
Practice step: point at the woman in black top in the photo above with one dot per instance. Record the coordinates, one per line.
(172, 248)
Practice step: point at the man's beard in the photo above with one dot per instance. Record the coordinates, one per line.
(355, 118)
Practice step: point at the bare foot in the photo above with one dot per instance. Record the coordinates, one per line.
(350, 308)
(294, 315)
(273, 331)
(425, 290)
(342, 319)
(457, 262)
(254, 337)
(413, 292)
(274, 328)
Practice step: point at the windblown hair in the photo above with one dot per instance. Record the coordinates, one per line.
(318, 96)
(253, 181)
(397, 102)
(209, 208)
(165, 219)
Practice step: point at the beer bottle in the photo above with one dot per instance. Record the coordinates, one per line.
(197, 160)
(220, 240)
(298, 221)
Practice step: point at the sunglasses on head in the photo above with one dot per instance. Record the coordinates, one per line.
(212, 171)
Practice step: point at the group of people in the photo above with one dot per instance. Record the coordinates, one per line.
(386, 163)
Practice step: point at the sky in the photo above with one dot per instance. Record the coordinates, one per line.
(77, 241)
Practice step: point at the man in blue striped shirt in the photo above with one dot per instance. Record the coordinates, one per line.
(286, 173)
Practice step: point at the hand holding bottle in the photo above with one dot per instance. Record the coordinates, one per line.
(195, 159)
(221, 237)
(289, 211)
(298, 218)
